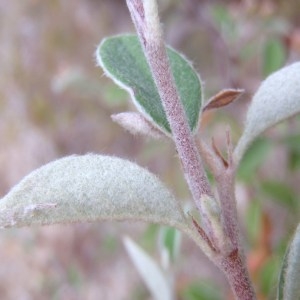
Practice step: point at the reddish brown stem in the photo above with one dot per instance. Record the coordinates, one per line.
(230, 259)
(237, 275)
(156, 54)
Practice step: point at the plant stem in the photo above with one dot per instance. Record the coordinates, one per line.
(233, 265)
(237, 275)
(230, 259)
(155, 51)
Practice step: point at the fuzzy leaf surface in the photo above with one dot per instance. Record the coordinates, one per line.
(89, 188)
(123, 60)
(277, 99)
(289, 288)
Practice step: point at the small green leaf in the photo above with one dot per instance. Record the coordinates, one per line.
(277, 99)
(288, 287)
(123, 60)
(274, 56)
(152, 274)
(89, 188)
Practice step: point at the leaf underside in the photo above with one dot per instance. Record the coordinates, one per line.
(277, 99)
(89, 188)
(123, 60)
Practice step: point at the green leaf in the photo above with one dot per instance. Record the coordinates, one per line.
(293, 144)
(223, 18)
(149, 237)
(267, 276)
(253, 220)
(152, 274)
(277, 99)
(123, 60)
(202, 290)
(292, 141)
(253, 159)
(274, 56)
(170, 239)
(280, 192)
(89, 188)
(294, 159)
(288, 287)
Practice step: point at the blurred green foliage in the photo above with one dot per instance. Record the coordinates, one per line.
(268, 277)
(202, 290)
(253, 159)
(171, 241)
(253, 221)
(274, 56)
(292, 142)
(280, 192)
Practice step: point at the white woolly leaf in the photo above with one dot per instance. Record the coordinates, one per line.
(153, 276)
(136, 123)
(89, 188)
(289, 288)
(277, 99)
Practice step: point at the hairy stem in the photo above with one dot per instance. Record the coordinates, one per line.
(155, 51)
(234, 265)
(226, 191)
(237, 274)
(230, 259)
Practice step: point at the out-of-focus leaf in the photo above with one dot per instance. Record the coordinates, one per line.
(170, 240)
(74, 276)
(89, 188)
(280, 192)
(153, 276)
(292, 141)
(274, 56)
(289, 287)
(277, 99)
(253, 220)
(268, 276)
(293, 145)
(149, 238)
(113, 95)
(202, 291)
(253, 159)
(222, 17)
(294, 159)
(123, 60)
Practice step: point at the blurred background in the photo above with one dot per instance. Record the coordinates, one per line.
(54, 102)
